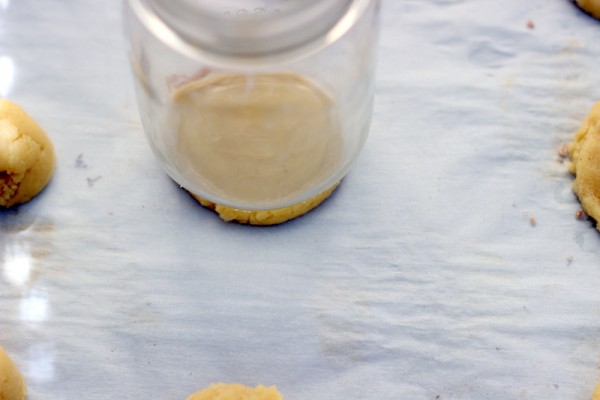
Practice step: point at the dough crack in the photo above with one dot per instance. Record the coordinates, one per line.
(9, 184)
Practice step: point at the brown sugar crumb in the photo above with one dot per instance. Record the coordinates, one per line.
(530, 24)
(532, 220)
(563, 150)
(579, 214)
(569, 260)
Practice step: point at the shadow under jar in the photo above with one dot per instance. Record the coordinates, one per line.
(254, 105)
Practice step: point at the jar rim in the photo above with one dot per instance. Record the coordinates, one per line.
(289, 33)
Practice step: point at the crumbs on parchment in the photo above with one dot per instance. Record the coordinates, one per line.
(79, 163)
(532, 220)
(91, 181)
(563, 151)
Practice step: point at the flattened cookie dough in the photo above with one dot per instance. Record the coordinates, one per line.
(591, 7)
(268, 217)
(255, 139)
(12, 385)
(236, 391)
(26, 156)
(584, 152)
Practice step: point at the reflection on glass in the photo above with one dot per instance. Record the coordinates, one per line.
(41, 364)
(7, 72)
(34, 308)
(17, 261)
(4, 4)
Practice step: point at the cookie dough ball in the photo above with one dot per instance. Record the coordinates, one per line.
(236, 391)
(268, 217)
(591, 7)
(596, 395)
(584, 152)
(26, 156)
(12, 385)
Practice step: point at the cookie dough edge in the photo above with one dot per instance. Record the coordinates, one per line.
(267, 217)
(12, 383)
(588, 129)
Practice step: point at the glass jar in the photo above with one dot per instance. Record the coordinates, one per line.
(254, 104)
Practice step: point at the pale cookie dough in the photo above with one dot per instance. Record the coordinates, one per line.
(268, 217)
(236, 391)
(12, 385)
(592, 7)
(26, 156)
(584, 152)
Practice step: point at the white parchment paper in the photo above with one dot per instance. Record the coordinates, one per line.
(448, 265)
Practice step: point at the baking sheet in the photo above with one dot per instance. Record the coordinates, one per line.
(448, 265)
